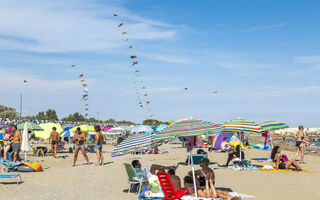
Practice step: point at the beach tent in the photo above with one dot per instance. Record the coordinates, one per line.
(106, 128)
(47, 129)
(84, 128)
(138, 143)
(232, 139)
(141, 128)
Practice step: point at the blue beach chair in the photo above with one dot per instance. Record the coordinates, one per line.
(8, 165)
(17, 176)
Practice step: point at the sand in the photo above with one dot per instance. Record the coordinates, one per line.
(61, 181)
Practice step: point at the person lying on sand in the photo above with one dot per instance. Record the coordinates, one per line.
(279, 161)
(154, 150)
(202, 173)
(209, 191)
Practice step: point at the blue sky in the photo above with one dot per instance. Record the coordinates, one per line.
(263, 58)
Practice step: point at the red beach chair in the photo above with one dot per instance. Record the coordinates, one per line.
(168, 189)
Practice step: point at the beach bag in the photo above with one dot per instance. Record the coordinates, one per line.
(285, 158)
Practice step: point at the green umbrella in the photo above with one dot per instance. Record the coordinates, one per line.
(31, 127)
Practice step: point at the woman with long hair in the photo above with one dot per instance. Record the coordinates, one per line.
(277, 158)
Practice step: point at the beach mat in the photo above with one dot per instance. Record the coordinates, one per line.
(282, 170)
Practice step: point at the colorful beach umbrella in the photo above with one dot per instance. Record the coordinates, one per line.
(47, 129)
(84, 128)
(67, 134)
(138, 143)
(273, 125)
(30, 126)
(241, 125)
(187, 128)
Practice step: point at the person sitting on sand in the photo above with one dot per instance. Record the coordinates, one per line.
(202, 173)
(225, 145)
(299, 143)
(54, 139)
(235, 154)
(79, 138)
(277, 158)
(209, 191)
(154, 150)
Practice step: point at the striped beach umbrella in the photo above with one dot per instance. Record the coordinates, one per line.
(273, 125)
(241, 125)
(186, 128)
(136, 143)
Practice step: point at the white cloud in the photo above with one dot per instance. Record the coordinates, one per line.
(264, 27)
(170, 58)
(61, 26)
(12, 81)
(314, 60)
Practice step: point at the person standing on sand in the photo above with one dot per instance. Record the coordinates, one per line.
(79, 138)
(98, 145)
(17, 139)
(54, 138)
(299, 143)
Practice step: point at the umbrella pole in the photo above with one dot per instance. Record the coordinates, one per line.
(193, 175)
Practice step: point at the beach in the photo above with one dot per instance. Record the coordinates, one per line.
(61, 181)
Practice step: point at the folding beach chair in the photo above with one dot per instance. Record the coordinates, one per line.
(133, 177)
(168, 189)
(8, 165)
(17, 176)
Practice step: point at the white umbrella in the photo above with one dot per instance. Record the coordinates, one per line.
(25, 145)
(141, 128)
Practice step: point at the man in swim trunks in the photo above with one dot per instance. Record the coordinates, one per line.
(17, 139)
(299, 143)
(54, 138)
(79, 139)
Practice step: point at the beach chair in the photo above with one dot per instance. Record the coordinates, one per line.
(168, 189)
(17, 176)
(133, 177)
(8, 165)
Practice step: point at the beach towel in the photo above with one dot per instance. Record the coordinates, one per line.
(189, 197)
(281, 170)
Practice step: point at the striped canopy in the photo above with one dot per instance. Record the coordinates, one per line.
(239, 125)
(186, 128)
(140, 143)
(273, 125)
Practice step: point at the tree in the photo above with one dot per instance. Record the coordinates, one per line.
(7, 112)
(75, 117)
(153, 122)
(51, 114)
(110, 121)
(124, 122)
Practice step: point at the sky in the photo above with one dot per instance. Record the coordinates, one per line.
(258, 60)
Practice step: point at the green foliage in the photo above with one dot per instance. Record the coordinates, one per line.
(126, 123)
(49, 114)
(75, 117)
(153, 122)
(110, 121)
(7, 112)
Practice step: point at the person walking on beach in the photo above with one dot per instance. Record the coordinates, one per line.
(54, 138)
(79, 138)
(17, 139)
(98, 145)
(299, 143)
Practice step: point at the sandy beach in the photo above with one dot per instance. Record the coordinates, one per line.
(61, 181)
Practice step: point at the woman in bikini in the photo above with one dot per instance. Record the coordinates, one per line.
(79, 138)
(98, 145)
(202, 173)
(277, 158)
(7, 143)
(299, 143)
(209, 191)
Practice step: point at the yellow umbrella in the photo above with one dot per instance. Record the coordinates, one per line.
(84, 128)
(47, 129)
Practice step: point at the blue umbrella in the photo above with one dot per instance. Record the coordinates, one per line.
(67, 134)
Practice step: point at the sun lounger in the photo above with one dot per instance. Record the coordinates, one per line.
(168, 189)
(134, 178)
(8, 165)
(17, 176)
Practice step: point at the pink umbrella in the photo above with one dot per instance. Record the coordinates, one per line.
(106, 128)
